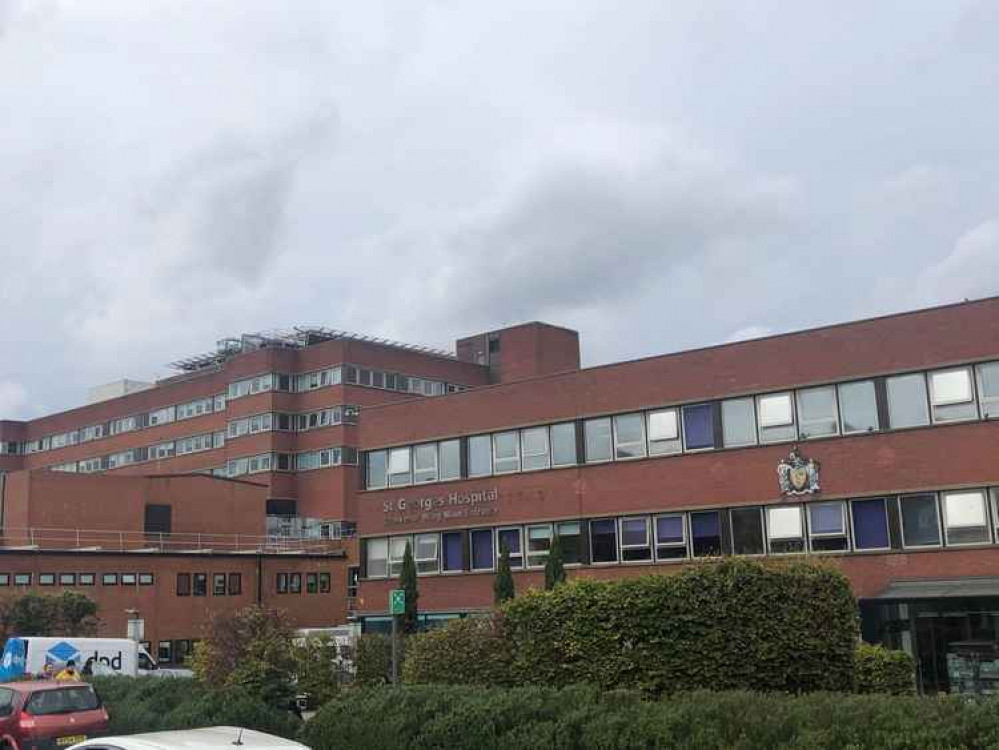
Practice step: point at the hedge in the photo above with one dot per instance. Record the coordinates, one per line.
(584, 718)
(471, 651)
(151, 704)
(734, 624)
(881, 670)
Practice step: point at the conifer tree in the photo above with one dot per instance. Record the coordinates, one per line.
(407, 581)
(503, 583)
(554, 565)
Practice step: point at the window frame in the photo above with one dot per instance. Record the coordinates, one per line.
(812, 536)
(407, 476)
(983, 400)
(481, 533)
(800, 411)
(423, 448)
(400, 541)
(853, 532)
(484, 440)
(939, 516)
(761, 517)
(641, 443)
(624, 548)
(839, 407)
(550, 528)
(371, 544)
(791, 425)
(569, 427)
(971, 400)
(927, 406)
(612, 520)
(803, 531)
(987, 521)
(514, 458)
(517, 560)
(673, 445)
(436, 559)
(755, 439)
(684, 544)
(609, 440)
(526, 457)
(689, 408)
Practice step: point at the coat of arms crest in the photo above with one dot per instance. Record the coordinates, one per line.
(798, 475)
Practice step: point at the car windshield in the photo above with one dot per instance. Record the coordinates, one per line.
(62, 701)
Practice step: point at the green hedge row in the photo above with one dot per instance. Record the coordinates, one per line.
(879, 670)
(734, 624)
(585, 718)
(152, 704)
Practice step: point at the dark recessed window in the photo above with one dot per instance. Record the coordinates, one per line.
(218, 584)
(571, 539)
(282, 583)
(671, 541)
(827, 526)
(705, 533)
(920, 521)
(747, 531)
(870, 524)
(699, 426)
(603, 540)
(482, 549)
(158, 519)
(511, 539)
(200, 587)
(451, 551)
(235, 584)
(294, 583)
(312, 583)
(324, 583)
(183, 584)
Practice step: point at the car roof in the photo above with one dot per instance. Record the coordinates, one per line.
(215, 738)
(33, 686)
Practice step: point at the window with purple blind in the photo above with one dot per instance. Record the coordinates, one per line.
(705, 532)
(870, 524)
(451, 549)
(482, 549)
(699, 426)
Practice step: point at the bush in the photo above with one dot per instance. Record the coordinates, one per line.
(316, 671)
(149, 704)
(584, 718)
(373, 659)
(877, 669)
(67, 614)
(470, 651)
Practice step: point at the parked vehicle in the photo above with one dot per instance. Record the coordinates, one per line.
(29, 656)
(49, 715)
(209, 738)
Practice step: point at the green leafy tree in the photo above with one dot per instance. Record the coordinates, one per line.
(554, 565)
(407, 582)
(316, 668)
(503, 584)
(373, 659)
(67, 614)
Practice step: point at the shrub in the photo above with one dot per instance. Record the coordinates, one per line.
(373, 659)
(877, 669)
(148, 704)
(316, 671)
(67, 614)
(470, 651)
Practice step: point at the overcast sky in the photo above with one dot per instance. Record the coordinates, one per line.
(658, 175)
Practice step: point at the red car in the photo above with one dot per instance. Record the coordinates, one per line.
(46, 714)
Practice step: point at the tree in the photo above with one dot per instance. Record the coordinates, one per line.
(252, 649)
(503, 583)
(407, 582)
(316, 668)
(373, 659)
(555, 564)
(67, 614)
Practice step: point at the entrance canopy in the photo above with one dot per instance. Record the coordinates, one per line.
(939, 589)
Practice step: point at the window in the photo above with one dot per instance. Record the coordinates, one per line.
(534, 448)
(200, 584)
(870, 524)
(636, 543)
(775, 414)
(629, 436)
(664, 432)
(907, 405)
(109, 579)
(952, 395)
(397, 552)
(450, 459)
(324, 583)
(162, 416)
(282, 583)
(965, 518)
(67, 579)
(164, 652)
(699, 427)
(218, 584)
(671, 539)
(785, 531)
(87, 579)
(988, 389)
(22, 579)
(425, 463)
(506, 452)
(451, 551)
(747, 531)
(597, 433)
(827, 526)
(705, 533)
(570, 535)
(539, 542)
(563, 437)
(399, 467)
(294, 583)
(858, 406)
(146, 579)
(158, 519)
(603, 541)
(235, 584)
(920, 521)
(46, 579)
(480, 456)
(427, 560)
(817, 412)
(4, 579)
(377, 469)
(738, 422)
(481, 541)
(183, 584)
(377, 558)
(311, 583)
(512, 539)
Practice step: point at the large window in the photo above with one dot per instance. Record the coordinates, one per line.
(480, 456)
(870, 524)
(664, 432)
(988, 389)
(747, 531)
(451, 557)
(705, 533)
(427, 558)
(511, 539)
(629, 436)
(399, 469)
(920, 521)
(636, 543)
(907, 404)
(539, 542)
(827, 526)
(534, 448)
(450, 459)
(817, 412)
(598, 439)
(738, 422)
(671, 538)
(603, 540)
(397, 553)
(965, 518)
(506, 452)
(570, 535)
(699, 427)
(481, 541)
(563, 438)
(377, 558)
(785, 529)
(377, 469)
(775, 415)
(858, 405)
(425, 463)
(952, 394)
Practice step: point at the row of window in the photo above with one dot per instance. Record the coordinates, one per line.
(350, 374)
(291, 583)
(168, 449)
(306, 461)
(173, 652)
(896, 402)
(266, 422)
(918, 521)
(78, 579)
(130, 423)
(196, 584)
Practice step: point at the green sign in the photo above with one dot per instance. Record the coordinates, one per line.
(397, 602)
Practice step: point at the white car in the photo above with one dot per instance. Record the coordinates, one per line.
(209, 738)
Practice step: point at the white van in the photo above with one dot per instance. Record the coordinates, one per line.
(122, 656)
